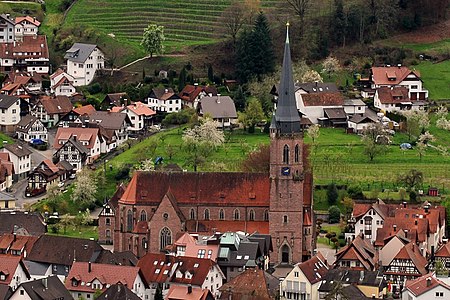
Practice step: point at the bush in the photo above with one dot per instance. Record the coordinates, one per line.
(355, 192)
(413, 196)
(123, 174)
(334, 214)
(332, 194)
(94, 88)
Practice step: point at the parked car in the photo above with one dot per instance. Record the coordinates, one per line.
(405, 146)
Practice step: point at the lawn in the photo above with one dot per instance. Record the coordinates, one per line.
(329, 228)
(84, 232)
(436, 78)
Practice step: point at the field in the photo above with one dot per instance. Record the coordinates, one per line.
(436, 78)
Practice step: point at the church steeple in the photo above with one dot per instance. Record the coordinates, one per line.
(286, 116)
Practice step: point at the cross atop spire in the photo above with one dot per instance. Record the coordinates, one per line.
(287, 117)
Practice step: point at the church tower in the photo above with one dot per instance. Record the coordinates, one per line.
(287, 171)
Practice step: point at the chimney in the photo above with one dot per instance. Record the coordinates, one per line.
(218, 98)
(166, 91)
(89, 267)
(428, 281)
(189, 289)
(404, 204)
(317, 83)
(74, 137)
(399, 66)
(395, 227)
(15, 236)
(406, 233)
(196, 84)
(45, 283)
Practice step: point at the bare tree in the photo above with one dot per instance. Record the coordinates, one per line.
(300, 8)
(234, 18)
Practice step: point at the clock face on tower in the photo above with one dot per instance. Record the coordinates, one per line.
(285, 171)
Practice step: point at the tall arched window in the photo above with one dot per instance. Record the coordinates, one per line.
(129, 220)
(266, 215)
(143, 216)
(221, 214)
(285, 219)
(165, 238)
(296, 153)
(285, 254)
(286, 154)
(251, 215)
(192, 214)
(206, 214)
(108, 233)
(236, 214)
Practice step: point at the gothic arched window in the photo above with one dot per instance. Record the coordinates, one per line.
(236, 214)
(192, 214)
(143, 216)
(206, 214)
(129, 220)
(286, 154)
(221, 214)
(285, 253)
(296, 153)
(251, 215)
(165, 238)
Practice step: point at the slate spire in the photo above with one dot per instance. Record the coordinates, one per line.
(287, 116)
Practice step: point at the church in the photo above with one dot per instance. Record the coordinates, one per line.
(156, 207)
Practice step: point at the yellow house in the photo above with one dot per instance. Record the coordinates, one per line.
(7, 201)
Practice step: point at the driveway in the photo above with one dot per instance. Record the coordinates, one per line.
(327, 252)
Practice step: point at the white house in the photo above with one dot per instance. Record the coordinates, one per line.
(139, 115)
(354, 107)
(20, 156)
(6, 28)
(73, 152)
(220, 108)
(88, 137)
(425, 288)
(29, 128)
(367, 218)
(12, 271)
(61, 83)
(85, 278)
(304, 279)
(83, 60)
(396, 99)
(396, 76)
(192, 94)
(31, 54)
(26, 26)
(9, 113)
(360, 122)
(164, 100)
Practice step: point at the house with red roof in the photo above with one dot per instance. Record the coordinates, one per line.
(61, 83)
(16, 245)
(49, 110)
(12, 271)
(90, 138)
(425, 287)
(192, 94)
(31, 54)
(26, 26)
(399, 76)
(140, 116)
(442, 256)
(188, 293)
(360, 254)
(47, 173)
(164, 100)
(305, 278)
(391, 99)
(85, 278)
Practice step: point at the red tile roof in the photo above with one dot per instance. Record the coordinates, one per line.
(223, 226)
(177, 292)
(391, 75)
(388, 95)
(29, 19)
(315, 268)
(191, 92)
(106, 274)
(31, 45)
(140, 109)
(359, 249)
(83, 134)
(424, 284)
(19, 243)
(323, 99)
(85, 110)
(60, 105)
(443, 251)
(8, 266)
(412, 252)
(224, 189)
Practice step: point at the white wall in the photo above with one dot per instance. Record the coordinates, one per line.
(11, 115)
(84, 73)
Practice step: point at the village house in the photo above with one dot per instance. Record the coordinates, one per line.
(49, 110)
(164, 100)
(251, 284)
(16, 244)
(31, 54)
(12, 271)
(442, 257)
(70, 119)
(220, 108)
(360, 254)
(61, 83)
(190, 293)
(23, 85)
(115, 100)
(88, 137)
(85, 278)
(118, 291)
(192, 94)
(26, 26)
(83, 60)
(396, 99)
(354, 107)
(9, 113)
(45, 288)
(7, 201)
(6, 171)
(164, 271)
(73, 152)
(304, 279)
(188, 246)
(399, 76)
(358, 123)
(45, 174)
(106, 219)
(6, 28)
(24, 223)
(424, 288)
(20, 156)
(31, 128)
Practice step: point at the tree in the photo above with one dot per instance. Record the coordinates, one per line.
(421, 149)
(234, 17)
(65, 221)
(332, 193)
(334, 214)
(331, 65)
(170, 151)
(53, 193)
(311, 76)
(300, 8)
(375, 140)
(257, 160)
(339, 24)
(253, 114)
(239, 98)
(426, 137)
(85, 189)
(355, 192)
(182, 79)
(200, 141)
(416, 121)
(153, 39)
(348, 205)
(413, 179)
(313, 132)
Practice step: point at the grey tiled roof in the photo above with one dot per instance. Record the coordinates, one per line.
(79, 52)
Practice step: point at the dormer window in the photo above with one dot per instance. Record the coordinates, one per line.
(74, 282)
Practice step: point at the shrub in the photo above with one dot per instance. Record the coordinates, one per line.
(332, 194)
(123, 174)
(355, 192)
(334, 214)
(94, 88)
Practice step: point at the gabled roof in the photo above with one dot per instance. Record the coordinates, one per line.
(412, 252)
(118, 292)
(323, 99)
(107, 119)
(163, 94)
(218, 107)
(191, 92)
(17, 242)
(85, 110)
(335, 113)
(56, 105)
(107, 274)
(79, 52)
(317, 87)
(364, 278)
(391, 75)
(19, 150)
(394, 95)
(116, 99)
(177, 292)
(63, 79)
(26, 122)
(7, 19)
(9, 265)
(32, 223)
(443, 251)
(80, 147)
(359, 249)
(29, 19)
(141, 109)
(363, 119)
(6, 101)
(46, 288)
(251, 284)
(30, 45)
(69, 249)
(82, 134)
(315, 268)
(424, 284)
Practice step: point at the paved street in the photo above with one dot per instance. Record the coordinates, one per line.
(327, 252)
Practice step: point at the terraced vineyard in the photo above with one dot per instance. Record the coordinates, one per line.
(186, 23)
